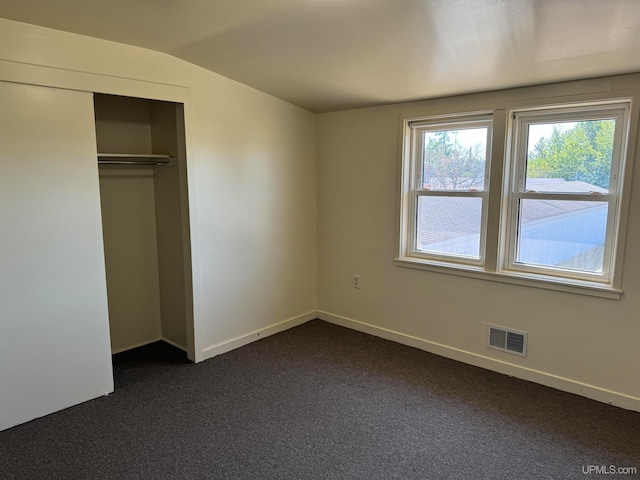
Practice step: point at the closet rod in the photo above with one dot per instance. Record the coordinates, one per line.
(134, 162)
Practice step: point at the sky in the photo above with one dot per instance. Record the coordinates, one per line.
(470, 136)
(539, 130)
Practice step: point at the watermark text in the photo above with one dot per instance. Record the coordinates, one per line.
(608, 470)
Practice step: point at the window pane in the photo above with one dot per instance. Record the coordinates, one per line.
(570, 156)
(562, 233)
(454, 159)
(449, 225)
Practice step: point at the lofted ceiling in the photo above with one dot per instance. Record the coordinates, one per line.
(327, 55)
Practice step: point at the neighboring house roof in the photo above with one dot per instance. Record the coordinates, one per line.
(560, 185)
(452, 224)
(539, 209)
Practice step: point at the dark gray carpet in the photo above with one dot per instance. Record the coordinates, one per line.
(321, 402)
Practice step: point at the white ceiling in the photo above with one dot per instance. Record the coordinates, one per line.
(327, 55)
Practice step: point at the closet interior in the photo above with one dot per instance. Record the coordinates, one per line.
(143, 192)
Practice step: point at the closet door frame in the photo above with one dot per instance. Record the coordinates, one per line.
(46, 76)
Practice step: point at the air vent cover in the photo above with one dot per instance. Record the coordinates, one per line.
(510, 341)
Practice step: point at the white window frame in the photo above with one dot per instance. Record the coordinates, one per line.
(515, 191)
(497, 218)
(415, 129)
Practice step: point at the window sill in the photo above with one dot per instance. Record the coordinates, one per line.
(527, 280)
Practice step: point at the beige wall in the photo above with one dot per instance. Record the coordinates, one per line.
(131, 256)
(128, 224)
(251, 176)
(173, 266)
(579, 343)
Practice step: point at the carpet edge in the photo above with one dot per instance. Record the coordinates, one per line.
(237, 342)
(543, 378)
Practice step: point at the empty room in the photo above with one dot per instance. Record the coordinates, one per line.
(320, 239)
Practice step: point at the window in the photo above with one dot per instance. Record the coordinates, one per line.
(564, 191)
(449, 189)
(552, 213)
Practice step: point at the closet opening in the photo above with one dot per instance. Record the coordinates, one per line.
(145, 222)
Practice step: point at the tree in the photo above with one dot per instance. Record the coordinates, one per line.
(449, 165)
(580, 153)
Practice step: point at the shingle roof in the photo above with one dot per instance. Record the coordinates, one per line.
(452, 224)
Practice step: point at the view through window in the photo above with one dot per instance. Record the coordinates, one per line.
(558, 212)
(566, 158)
(453, 166)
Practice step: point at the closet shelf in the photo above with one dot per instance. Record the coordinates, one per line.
(133, 159)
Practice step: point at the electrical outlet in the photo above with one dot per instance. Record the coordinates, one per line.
(356, 281)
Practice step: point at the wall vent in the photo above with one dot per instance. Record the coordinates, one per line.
(510, 341)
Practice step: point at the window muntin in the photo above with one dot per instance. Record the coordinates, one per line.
(449, 195)
(563, 197)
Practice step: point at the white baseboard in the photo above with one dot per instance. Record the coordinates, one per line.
(174, 344)
(543, 378)
(135, 345)
(237, 342)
